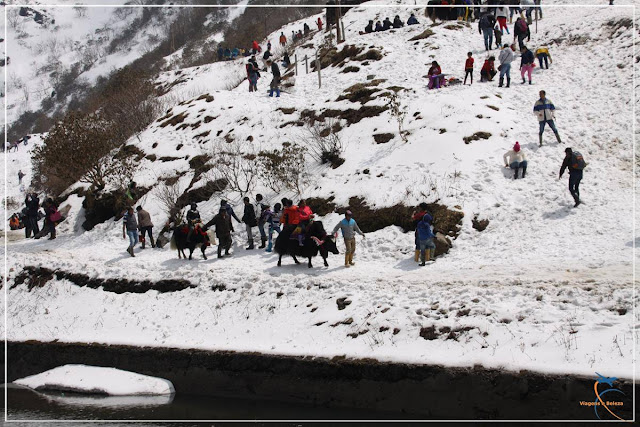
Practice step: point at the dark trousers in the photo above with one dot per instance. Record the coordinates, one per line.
(31, 225)
(544, 56)
(574, 183)
(468, 72)
(521, 38)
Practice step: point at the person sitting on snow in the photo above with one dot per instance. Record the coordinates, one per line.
(516, 159)
(436, 78)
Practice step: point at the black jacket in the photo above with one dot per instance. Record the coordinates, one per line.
(397, 23)
(192, 216)
(369, 27)
(249, 216)
(486, 21)
(32, 205)
(223, 230)
(275, 70)
(386, 24)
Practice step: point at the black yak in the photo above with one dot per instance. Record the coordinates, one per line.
(316, 241)
(199, 238)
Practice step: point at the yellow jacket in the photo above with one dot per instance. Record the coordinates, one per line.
(541, 50)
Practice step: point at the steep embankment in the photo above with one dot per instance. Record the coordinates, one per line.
(543, 287)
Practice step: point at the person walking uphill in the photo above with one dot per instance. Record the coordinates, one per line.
(516, 159)
(426, 236)
(222, 221)
(249, 219)
(485, 27)
(574, 161)
(349, 229)
(130, 226)
(146, 226)
(506, 57)
(521, 31)
(260, 208)
(526, 63)
(544, 110)
(275, 82)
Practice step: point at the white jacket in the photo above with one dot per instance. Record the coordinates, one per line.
(514, 157)
(506, 56)
(502, 11)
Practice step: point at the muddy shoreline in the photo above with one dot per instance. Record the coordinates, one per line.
(413, 391)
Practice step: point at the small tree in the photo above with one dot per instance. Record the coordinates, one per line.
(323, 142)
(236, 163)
(398, 112)
(168, 195)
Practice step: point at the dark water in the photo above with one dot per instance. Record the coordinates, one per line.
(27, 405)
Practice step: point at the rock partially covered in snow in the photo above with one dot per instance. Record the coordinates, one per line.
(97, 380)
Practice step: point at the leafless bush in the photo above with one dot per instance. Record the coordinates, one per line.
(80, 11)
(236, 163)
(283, 168)
(168, 195)
(398, 112)
(323, 142)
(14, 19)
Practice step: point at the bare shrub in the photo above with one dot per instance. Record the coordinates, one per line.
(236, 163)
(398, 112)
(283, 168)
(168, 195)
(323, 142)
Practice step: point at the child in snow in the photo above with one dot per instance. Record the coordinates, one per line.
(426, 236)
(436, 78)
(272, 219)
(498, 36)
(488, 69)
(468, 68)
(516, 159)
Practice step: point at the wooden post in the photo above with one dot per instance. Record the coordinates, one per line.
(306, 64)
(342, 25)
(296, 59)
(319, 75)
(338, 32)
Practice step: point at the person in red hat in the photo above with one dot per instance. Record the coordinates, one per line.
(516, 159)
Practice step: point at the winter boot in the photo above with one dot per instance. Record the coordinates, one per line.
(143, 245)
(524, 171)
(540, 139)
(422, 257)
(558, 138)
(226, 252)
(433, 254)
(153, 243)
(523, 81)
(264, 243)
(346, 260)
(250, 245)
(351, 260)
(501, 81)
(53, 234)
(416, 257)
(530, 82)
(219, 251)
(269, 247)
(508, 81)
(515, 173)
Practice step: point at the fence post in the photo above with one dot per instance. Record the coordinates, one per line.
(319, 75)
(306, 63)
(295, 56)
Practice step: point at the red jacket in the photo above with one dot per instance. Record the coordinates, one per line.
(320, 24)
(290, 215)
(305, 213)
(256, 46)
(488, 66)
(435, 70)
(468, 63)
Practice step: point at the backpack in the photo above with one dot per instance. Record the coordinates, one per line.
(577, 161)
(484, 21)
(522, 26)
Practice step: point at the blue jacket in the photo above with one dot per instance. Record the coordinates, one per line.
(526, 58)
(424, 231)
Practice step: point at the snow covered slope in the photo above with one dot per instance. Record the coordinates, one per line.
(544, 287)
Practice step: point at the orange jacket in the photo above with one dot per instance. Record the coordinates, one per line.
(290, 215)
(283, 39)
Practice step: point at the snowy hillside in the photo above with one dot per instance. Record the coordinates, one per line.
(544, 287)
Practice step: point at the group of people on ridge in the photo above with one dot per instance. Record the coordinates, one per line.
(387, 24)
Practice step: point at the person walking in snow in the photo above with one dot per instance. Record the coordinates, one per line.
(32, 204)
(230, 213)
(146, 226)
(574, 161)
(468, 68)
(521, 32)
(516, 159)
(283, 39)
(20, 176)
(501, 14)
(411, 21)
(542, 53)
(426, 236)
(275, 82)
(130, 228)
(272, 219)
(485, 27)
(319, 24)
(253, 74)
(222, 222)
(249, 219)
(506, 57)
(544, 110)
(526, 63)
(488, 69)
(498, 36)
(51, 217)
(349, 228)
(260, 207)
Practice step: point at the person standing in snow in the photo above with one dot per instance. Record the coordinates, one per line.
(506, 57)
(230, 213)
(542, 53)
(498, 35)
(575, 162)
(516, 159)
(416, 218)
(544, 110)
(32, 204)
(249, 219)
(468, 68)
(20, 176)
(51, 217)
(255, 47)
(521, 31)
(283, 39)
(286, 61)
(130, 228)
(253, 74)
(426, 236)
(485, 27)
(349, 228)
(526, 63)
(222, 223)
(319, 24)
(146, 226)
(275, 82)
(501, 14)
(488, 69)
(272, 219)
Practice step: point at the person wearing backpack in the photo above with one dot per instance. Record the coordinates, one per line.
(521, 31)
(485, 27)
(250, 221)
(544, 110)
(574, 161)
